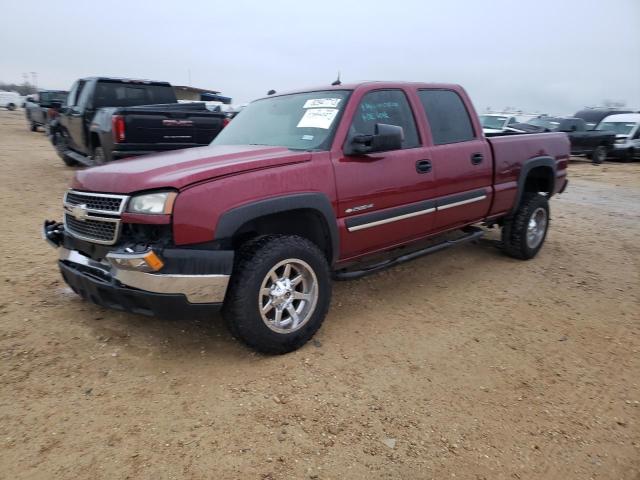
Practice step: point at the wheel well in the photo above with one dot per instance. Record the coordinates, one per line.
(307, 223)
(539, 179)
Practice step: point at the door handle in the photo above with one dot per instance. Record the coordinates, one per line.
(477, 158)
(423, 166)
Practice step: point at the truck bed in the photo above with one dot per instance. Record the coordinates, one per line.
(511, 151)
(176, 123)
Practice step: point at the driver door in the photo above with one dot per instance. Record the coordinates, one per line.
(383, 197)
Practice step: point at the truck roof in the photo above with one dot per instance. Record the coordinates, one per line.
(623, 117)
(128, 80)
(380, 84)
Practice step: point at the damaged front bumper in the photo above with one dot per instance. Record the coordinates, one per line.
(190, 280)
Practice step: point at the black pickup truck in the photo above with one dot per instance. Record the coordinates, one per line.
(595, 144)
(104, 119)
(43, 109)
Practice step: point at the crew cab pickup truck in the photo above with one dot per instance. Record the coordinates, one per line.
(43, 109)
(595, 144)
(111, 118)
(336, 181)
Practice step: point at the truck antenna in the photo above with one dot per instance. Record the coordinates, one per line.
(337, 80)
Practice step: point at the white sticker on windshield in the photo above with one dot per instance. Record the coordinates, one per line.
(307, 137)
(322, 103)
(318, 118)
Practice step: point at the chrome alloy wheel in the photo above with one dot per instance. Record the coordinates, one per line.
(537, 227)
(288, 296)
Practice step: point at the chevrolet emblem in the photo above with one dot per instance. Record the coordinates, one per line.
(79, 212)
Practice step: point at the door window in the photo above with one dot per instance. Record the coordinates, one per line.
(71, 98)
(385, 106)
(448, 117)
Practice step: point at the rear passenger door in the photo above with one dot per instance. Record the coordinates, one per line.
(460, 157)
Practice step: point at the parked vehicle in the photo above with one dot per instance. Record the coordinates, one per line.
(342, 180)
(110, 118)
(10, 100)
(595, 144)
(496, 123)
(593, 116)
(626, 127)
(44, 108)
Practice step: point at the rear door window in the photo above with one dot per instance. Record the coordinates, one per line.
(390, 107)
(117, 94)
(448, 117)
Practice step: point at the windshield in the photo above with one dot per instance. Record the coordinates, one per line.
(548, 123)
(300, 121)
(119, 94)
(621, 128)
(491, 121)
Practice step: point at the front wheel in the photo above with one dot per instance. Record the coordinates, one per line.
(524, 233)
(11, 107)
(599, 155)
(279, 293)
(33, 127)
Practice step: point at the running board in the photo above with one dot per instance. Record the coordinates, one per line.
(83, 159)
(472, 233)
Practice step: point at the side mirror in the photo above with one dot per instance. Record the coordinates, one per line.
(30, 99)
(386, 137)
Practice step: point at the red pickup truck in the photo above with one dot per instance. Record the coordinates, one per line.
(336, 181)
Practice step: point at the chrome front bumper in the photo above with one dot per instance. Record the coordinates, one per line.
(196, 288)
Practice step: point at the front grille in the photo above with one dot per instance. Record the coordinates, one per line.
(98, 231)
(94, 216)
(96, 201)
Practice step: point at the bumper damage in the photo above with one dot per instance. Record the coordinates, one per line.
(165, 293)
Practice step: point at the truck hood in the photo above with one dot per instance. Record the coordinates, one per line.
(180, 168)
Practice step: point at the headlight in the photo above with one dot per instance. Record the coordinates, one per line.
(152, 203)
(621, 140)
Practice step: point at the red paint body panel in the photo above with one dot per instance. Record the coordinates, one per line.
(214, 180)
(180, 168)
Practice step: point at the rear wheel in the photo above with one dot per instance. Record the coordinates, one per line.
(279, 293)
(11, 107)
(33, 127)
(99, 156)
(599, 155)
(524, 233)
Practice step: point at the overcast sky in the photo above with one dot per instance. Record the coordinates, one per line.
(540, 55)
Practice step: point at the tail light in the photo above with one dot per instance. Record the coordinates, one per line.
(117, 128)
(225, 121)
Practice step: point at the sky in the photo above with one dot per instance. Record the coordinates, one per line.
(551, 56)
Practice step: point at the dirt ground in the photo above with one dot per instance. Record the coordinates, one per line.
(464, 364)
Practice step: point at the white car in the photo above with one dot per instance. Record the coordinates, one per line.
(11, 100)
(627, 129)
(496, 122)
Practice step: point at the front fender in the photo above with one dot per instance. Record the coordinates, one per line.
(233, 219)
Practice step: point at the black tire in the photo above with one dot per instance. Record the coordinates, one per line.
(33, 127)
(60, 145)
(100, 156)
(11, 107)
(515, 240)
(627, 156)
(253, 263)
(599, 155)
